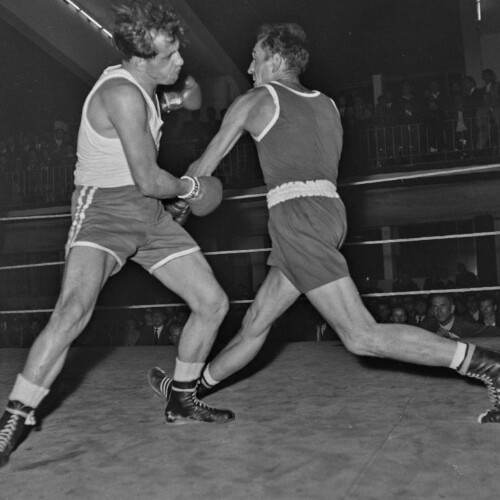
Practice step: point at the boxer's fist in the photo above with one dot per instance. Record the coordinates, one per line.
(189, 97)
(179, 210)
(204, 196)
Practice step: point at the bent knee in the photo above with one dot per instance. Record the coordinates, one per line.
(253, 324)
(214, 304)
(360, 341)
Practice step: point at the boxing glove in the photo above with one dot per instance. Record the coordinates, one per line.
(204, 196)
(179, 210)
(189, 97)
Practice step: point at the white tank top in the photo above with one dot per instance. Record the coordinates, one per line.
(101, 161)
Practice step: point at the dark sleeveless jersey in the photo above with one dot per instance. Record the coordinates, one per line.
(303, 142)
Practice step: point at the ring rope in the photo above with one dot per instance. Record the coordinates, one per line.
(429, 292)
(104, 308)
(258, 250)
(249, 301)
(34, 217)
(375, 180)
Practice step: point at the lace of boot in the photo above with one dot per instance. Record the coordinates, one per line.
(183, 405)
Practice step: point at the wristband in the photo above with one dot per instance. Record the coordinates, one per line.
(195, 188)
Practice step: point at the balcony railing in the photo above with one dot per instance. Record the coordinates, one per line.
(368, 151)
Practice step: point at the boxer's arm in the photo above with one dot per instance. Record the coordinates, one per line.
(251, 112)
(127, 112)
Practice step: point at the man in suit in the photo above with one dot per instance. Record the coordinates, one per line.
(156, 334)
(489, 313)
(420, 314)
(445, 324)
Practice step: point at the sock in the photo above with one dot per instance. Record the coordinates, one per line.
(27, 393)
(462, 357)
(186, 372)
(207, 380)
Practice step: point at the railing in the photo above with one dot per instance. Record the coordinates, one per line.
(48, 185)
(412, 144)
(371, 150)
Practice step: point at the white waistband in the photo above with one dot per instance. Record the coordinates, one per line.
(299, 189)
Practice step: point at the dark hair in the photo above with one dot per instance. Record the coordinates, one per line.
(489, 72)
(487, 296)
(289, 41)
(137, 25)
(442, 294)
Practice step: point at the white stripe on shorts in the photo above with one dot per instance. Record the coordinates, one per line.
(82, 206)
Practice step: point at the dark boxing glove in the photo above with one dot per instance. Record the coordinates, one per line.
(189, 97)
(179, 210)
(204, 196)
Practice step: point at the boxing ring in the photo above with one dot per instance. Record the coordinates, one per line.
(312, 421)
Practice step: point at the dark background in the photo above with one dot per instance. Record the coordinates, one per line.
(350, 40)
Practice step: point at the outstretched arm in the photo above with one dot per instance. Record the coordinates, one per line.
(251, 112)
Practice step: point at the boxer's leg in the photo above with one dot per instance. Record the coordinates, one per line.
(192, 278)
(86, 271)
(341, 306)
(274, 297)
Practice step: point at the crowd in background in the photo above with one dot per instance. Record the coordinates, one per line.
(417, 124)
(121, 327)
(454, 315)
(462, 117)
(28, 152)
(410, 123)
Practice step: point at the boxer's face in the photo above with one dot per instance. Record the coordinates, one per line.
(165, 67)
(260, 67)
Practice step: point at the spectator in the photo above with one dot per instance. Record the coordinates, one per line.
(361, 113)
(408, 105)
(409, 118)
(398, 315)
(383, 314)
(421, 311)
(175, 332)
(465, 278)
(459, 306)
(391, 111)
(472, 312)
(346, 111)
(488, 308)
(147, 319)
(131, 332)
(58, 145)
(445, 323)
(489, 113)
(436, 107)
(471, 103)
(408, 303)
(157, 333)
(386, 118)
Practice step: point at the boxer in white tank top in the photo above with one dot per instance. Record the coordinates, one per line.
(117, 213)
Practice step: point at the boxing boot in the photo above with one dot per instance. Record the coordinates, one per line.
(484, 365)
(183, 406)
(161, 383)
(12, 423)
